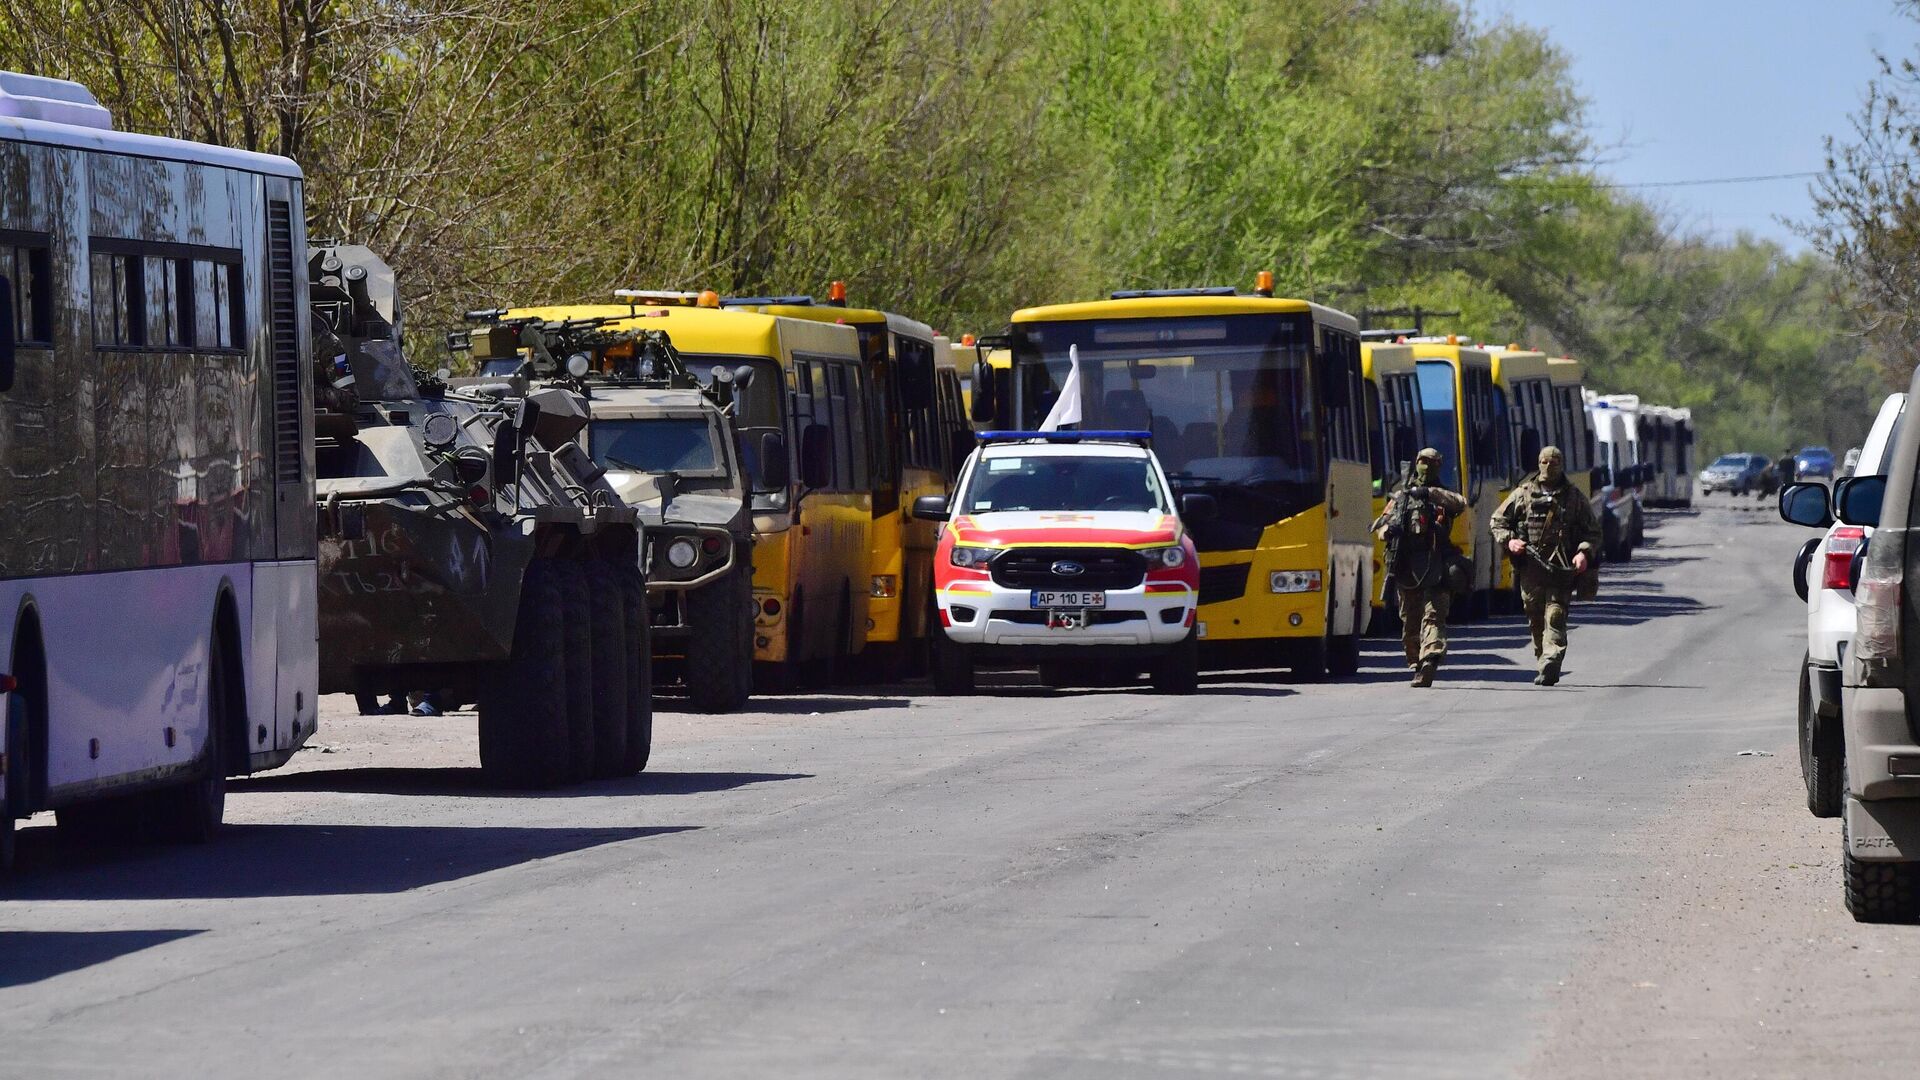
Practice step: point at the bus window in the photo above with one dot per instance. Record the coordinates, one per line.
(1377, 437)
(1439, 417)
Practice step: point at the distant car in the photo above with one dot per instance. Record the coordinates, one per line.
(1065, 551)
(1813, 461)
(1823, 576)
(1736, 474)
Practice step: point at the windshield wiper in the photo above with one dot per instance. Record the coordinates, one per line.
(616, 464)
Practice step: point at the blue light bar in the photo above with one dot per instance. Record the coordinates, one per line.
(1065, 436)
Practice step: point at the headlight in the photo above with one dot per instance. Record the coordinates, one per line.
(1294, 581)
(1167, 556)
(970, 557)
(682, 554)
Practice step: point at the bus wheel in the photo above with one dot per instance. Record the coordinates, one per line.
(612, 658)
(952, 666)
(13, 780)
(578, 655)
(1308, 664)
(633, 596)
(720, 651)
(523, 708)
(1178, 671)
(191, 813)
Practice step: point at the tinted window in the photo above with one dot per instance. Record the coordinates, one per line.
(655, 445)
(1056, 482)
(1439, 418)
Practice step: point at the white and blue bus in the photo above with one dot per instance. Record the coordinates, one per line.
(156, 469)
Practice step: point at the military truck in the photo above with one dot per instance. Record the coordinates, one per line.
(469, 546)
(665, 437)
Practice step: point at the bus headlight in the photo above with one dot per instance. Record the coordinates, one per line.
(1294, 581)
(1167, 556)
(970, 558)
(682, 554)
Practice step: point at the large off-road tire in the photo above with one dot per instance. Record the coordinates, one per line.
(579, 660)
(191, 813)
(720, 646)
(1882, 892)
(1178, 671)
(952, 666)
(633, 595)
(524, 741)
(612, 659)
(1820, 760)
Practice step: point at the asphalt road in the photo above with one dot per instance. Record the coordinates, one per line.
(1482, 879)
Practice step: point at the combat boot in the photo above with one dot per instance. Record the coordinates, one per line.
(1549, 674)
(1423, 674)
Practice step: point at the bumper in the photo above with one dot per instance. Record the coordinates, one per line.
(988, 615)
(1883, 807)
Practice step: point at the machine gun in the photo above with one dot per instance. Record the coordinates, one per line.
(585, 353)
(1416, 540)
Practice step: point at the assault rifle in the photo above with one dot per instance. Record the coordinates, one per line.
(1415, 524)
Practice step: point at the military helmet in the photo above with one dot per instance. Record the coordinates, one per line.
(1429, 454)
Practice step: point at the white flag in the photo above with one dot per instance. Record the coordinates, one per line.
(1066, 410)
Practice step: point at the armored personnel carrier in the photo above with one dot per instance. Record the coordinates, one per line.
(470, 546)
(666, 440)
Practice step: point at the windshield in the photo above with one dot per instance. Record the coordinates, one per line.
(1438, 412)
(1730, 461)
(655, 445)
(1006, 483)
(1230, 402)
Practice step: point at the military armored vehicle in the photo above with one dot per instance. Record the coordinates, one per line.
(665, 437)
(469, 546)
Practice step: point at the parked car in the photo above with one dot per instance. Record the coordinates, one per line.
(1880, 673)
(1736, 474)
(1064, 551)
(1833, 557)
(1813, 461)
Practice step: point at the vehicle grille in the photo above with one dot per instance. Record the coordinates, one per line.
(1221, 583)
(1106, 568)
(1094, 618)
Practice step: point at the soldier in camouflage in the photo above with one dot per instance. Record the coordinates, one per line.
(1416, 525)
(1549, 528)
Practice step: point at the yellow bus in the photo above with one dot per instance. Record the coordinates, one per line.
(910, 444)
(1253, 400)
(802, 425)
(1458, 403)
(1524, 383)
(1572, 430)
(1394, 434)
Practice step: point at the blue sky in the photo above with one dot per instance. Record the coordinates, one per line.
(1698, 89)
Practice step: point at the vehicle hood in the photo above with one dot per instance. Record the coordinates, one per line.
(1018, 527)
(642, 492)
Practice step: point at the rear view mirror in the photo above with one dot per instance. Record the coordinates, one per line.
(1806, 504)
(772, 472)
(816, 457)
(981, 409)
(930, 508)
(1198, 508)
(7, 327)
(1856, 500)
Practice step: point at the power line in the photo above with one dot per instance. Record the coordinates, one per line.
(1720, 180)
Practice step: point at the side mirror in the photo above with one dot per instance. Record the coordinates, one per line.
(1198, 508)
(742, 377)
(773, 473)
(1856, 500)
(816, 457)
(961, 447)
(930, 508)
(1529, 447)
(983, 406)
(1806, 504)
(507, 441)
(7, 342)
(1403, 443)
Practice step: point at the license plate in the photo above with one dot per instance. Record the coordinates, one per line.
(1068, 598)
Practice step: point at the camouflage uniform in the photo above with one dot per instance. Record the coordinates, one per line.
(1425, 595)
(1556, 522)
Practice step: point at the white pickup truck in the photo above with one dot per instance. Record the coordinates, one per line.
(1823, 575)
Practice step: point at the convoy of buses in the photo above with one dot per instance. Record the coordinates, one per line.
(157, 560)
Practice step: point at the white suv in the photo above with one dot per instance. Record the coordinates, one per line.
(1823, 576)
